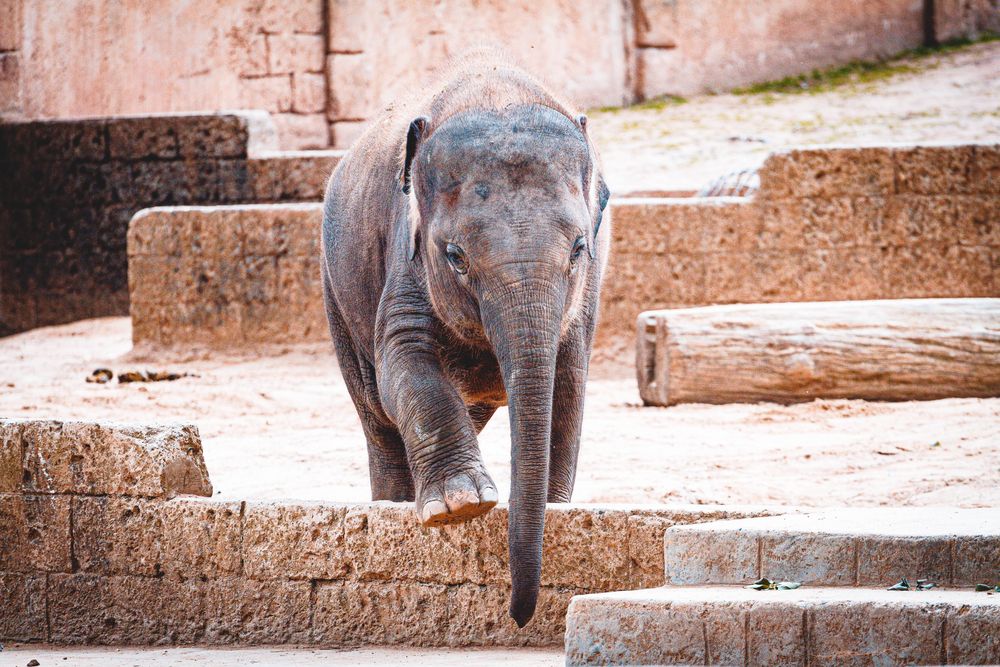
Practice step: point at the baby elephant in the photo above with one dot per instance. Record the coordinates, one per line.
(462, 258)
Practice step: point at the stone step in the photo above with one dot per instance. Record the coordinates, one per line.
(730, 625)
(842, 547)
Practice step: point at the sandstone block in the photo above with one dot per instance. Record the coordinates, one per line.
(933, 170)
(639, 224)
(698, 557)
(900, 634)
(296, 16)
(477, 616)
(841, 273)
(937, 270)
(972, 636)
(23, 616)
(10, 25)
(283, 541)
(985, 176)
(911, 220)
(825, 172)
(11, 452)
(978, 220)
(645, 550)
(347, 26)
(728, 277)
(142, 139)
(10, 82)
(50, 141)
(775, 635)
(586, 548)
(224, 135)
(283, 230)
(976, 559)
(346, 132)
(884, 560)
(181, 538)
(353, 613)
(347, 85)
(271, 612)
(92, 609)
(111, 459)
(819, 560)
(289, 53)
(656, 23)
(302, 131)
(269, 93)
(34, 533)
(309, 92)
(292, 176)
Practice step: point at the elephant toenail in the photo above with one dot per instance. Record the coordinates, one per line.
(431, 509)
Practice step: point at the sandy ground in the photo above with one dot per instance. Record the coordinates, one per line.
(281, 425)
(50, 656)
(951, 97)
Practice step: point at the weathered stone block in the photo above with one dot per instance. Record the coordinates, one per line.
(819, 560)
(292, 177)
(976, 560)
(352, 613)
(775, 635)
(22, 618)
(297, 16)
(973, 636)
(978, 220)
(478, 616)
(112, 459)
(272, 612)
(92, 609)
(656, 23)
(884, 560)
(985, 176)
(343, 133)
(225, 136)
(308, 92)
(933, 170)
(181, 538)
(10, 25)
(584, 549)
(302, 131)
(639, 224)
(289, 53)
(823, 172)
(347, 26)
(350, 96)
(283, 541)
(937, 270)
(142, 138)
(917, 219)
(11, 452)
(700, 557)
(270, 93)
(34, 533)
(645, 550)
(834, 274)
(885, 632)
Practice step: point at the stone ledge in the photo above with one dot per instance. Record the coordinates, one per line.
(844, 547)
(55, 457)
(815, 626)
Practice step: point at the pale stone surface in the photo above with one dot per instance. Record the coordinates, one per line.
(478, 616)
(181, 538)
(867, 547)
(108, 458)
(302, 131)
(685, 625)
(352, 613)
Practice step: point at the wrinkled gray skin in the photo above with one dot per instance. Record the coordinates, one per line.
(487, 297)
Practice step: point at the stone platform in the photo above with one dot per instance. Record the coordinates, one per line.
(68, 189)
(827, 224)
(100, 545)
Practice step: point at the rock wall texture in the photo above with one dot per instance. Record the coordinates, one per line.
(828, 224)
(69, 188)
(86, 558)
(324, 66)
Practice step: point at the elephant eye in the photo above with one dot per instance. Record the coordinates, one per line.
(578, 247)
(456, 257)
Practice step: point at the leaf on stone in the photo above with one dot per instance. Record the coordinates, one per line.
(903, 585)
(986, 587)
(925, 585)
(100, 375)
(788, 585)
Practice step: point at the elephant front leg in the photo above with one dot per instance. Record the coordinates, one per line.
(449, 475)
(567, 414)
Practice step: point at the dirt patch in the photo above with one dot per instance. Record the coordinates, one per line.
(279, 424)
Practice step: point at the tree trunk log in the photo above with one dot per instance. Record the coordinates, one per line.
(906, 349)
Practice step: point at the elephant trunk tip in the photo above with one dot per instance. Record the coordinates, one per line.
(522, 606)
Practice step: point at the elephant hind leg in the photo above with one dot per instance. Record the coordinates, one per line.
(388, 469)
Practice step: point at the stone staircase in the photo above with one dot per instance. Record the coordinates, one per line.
(842, 614)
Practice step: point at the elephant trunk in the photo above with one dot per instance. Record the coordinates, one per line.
(523, 326)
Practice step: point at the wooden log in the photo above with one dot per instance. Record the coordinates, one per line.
(895, 350)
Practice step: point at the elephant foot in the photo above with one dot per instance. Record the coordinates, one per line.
(459, 498)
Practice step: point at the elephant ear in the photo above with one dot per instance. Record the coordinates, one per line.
(416, 132)
(600, 195)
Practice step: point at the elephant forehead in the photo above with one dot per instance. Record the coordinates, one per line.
(524, 145)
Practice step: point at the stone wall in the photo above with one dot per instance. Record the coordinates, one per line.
(98, 547)
(827, 225)
(324, 66)
(69, 188)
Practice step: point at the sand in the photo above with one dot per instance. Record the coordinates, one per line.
(278, 423)
(953, 97)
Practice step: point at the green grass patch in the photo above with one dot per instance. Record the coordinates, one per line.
(860, 71)
(654, 104)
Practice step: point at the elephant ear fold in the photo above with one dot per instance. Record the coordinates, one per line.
(416, 132)
(603, 194)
